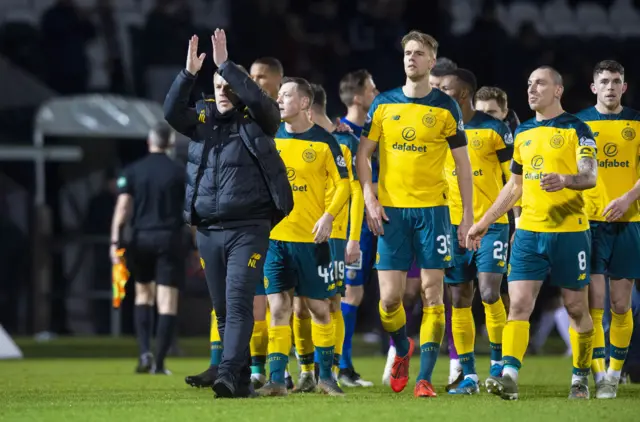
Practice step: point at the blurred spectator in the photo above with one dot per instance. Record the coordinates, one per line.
(167, 32)
(66, 30)
(109, 30)
(20, 43)
(486, 41)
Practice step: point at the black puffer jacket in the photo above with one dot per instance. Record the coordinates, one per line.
(234, 172)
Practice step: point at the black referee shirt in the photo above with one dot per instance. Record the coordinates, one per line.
(156, 183)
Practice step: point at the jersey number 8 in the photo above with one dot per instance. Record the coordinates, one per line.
(582, 260)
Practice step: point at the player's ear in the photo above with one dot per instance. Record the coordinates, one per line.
(594, 90)
(305, 103)
(624, 87)
(559, 91)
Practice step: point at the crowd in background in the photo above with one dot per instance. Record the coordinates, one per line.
(316, 39)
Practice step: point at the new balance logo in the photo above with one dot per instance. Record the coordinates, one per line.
(396, 117)
(582, 277)
(254, 260)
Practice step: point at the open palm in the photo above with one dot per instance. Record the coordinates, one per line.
(194, 62)
(219, 41)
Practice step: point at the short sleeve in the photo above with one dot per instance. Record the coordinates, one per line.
(586, 146)
(454, 127)
(124, 184)
(373, 123)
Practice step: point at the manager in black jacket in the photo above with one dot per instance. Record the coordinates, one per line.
(236, 191)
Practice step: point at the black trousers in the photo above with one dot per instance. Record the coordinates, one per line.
(233, 265)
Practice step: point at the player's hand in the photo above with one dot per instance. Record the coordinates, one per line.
(194, 62)
(352, 253)
(475, 233)
(463, 229)
(616, 208)
(323, 228)
(113, 254)
(343, 127)
(375, 215)
(219, 41)
(553, 182)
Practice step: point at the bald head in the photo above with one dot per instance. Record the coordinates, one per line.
(556, 77)
(545, 89)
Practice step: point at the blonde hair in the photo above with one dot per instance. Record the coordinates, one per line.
(424, 39)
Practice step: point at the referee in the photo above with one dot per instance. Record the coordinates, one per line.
(237, 189)
(150, 195)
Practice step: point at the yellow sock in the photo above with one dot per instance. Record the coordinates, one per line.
(515, 339)
(463, 330)
(597, 363)
(259, 339)
(496, 319)
(304, 342)
(323, 334)
(394, 320)
(620, 332)
(432, 325)
(338, 330)
(324, 340)
(214, 335)
(582, 346)
(214, 341)
(279, 347)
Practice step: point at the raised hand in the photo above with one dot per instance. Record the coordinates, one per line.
(194, 62)
(219, 41)
(342, 127)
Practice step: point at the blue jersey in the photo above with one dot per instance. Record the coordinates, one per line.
(357, 130)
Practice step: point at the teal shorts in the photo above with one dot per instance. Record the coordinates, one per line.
(615, 249)
(564, 257)
(304, 268)
(423, 234)
(491, 257)
(338, 247)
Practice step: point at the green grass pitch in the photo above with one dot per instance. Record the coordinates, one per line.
(106, 389)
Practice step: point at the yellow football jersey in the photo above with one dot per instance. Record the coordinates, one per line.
(618, 144)
(311, 158)
(353, 209)
(490, 144)
(551, 146)
(413, 135)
